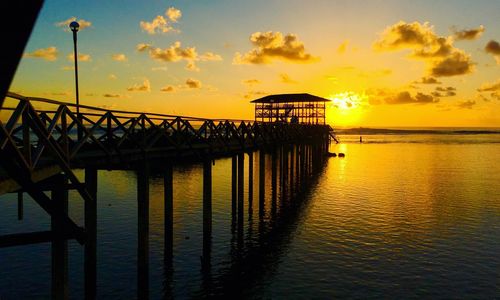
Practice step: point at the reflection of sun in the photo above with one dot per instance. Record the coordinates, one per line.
(345, 108)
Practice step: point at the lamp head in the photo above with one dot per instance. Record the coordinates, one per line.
(74, 26)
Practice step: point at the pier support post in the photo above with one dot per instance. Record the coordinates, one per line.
(274, 180)
(241, 180)
(234, 169)
(207, 212)
(292, 173)
(20, 205)
(250, 182)
(59, 243)
(90, 257)
(297, 167)
(303, 155)
(284, 189)
(143, 232)
(262, 181)
(168, 223)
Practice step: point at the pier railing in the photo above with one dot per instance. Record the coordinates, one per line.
(36, 137)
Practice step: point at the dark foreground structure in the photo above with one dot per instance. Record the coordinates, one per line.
(40, 148)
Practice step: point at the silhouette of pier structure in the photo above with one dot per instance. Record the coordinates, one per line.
(41, 148)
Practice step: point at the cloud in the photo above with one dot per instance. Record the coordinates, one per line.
(142, 47)
(209, 56)
(468, 34)
(81, 57)
(458, 63)
(444, 92)
(168, 88)
(49, 53)
(375, 73)
(191, 66)
(490, 87)
(254, 94)
(447, 89)
(112, 95)
(173, 14)
(193, 83)
(343, 47)
(284, 78)
(65, 24)
(173, 53)
(466, 104)
(405, 98)
(493, 47)
(161, 24)
(251, 82)
(270, 46)
(144, 87)
(427, 80)
(60, 93)
(119, 57)
(176, 53)
(159, 68)
(441, 57)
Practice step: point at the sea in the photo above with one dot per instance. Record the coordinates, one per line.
(408, 213)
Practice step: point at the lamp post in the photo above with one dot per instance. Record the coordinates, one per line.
(74, 26)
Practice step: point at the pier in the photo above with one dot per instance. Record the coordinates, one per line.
(41, 149)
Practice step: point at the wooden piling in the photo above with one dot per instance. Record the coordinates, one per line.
(262, 181)
(234, 189)
(207, 212)
(241, 180)
(90, 250)
(250, 181)
(59, 244)
(20, 206)
(143, 232)
(168, 223)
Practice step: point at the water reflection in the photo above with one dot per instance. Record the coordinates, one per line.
(208, 246)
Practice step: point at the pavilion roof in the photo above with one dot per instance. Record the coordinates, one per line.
(283, 98)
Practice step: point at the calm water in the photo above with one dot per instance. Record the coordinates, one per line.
(401, 216)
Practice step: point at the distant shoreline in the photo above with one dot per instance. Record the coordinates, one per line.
(451, 130)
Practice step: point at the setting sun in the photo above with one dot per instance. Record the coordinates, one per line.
(346, 108)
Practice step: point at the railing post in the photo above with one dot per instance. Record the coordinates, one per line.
(26, 138)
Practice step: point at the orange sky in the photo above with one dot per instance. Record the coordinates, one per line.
(396, 63)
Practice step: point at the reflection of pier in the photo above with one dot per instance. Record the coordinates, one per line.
(41, 148)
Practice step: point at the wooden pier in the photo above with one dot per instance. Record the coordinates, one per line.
(41, 148)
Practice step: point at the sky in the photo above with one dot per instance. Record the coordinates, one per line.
(382, 63)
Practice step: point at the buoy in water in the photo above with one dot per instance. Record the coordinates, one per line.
(341, 154)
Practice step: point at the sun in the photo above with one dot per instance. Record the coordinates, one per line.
(345, 100)
(346, 108)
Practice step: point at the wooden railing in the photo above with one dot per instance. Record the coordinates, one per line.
(58, 135)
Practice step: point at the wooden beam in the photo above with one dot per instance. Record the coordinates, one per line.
(28, 238)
